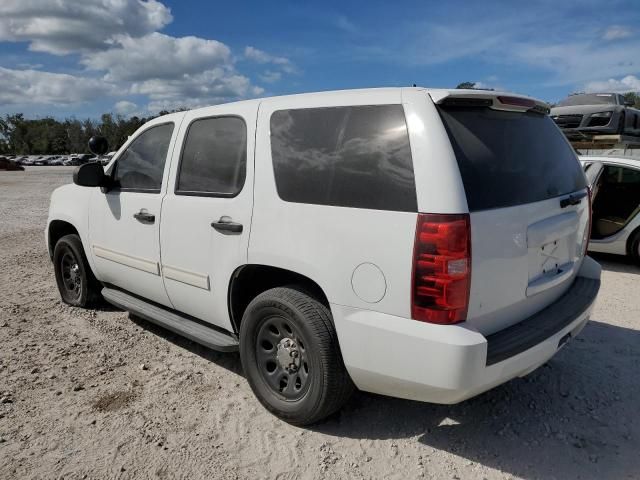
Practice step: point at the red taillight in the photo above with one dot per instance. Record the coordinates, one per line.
(441, 268)
(517, 101)
(588, 232)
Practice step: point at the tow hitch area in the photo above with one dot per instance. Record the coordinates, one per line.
(564, 340)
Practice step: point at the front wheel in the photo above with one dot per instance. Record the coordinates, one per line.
(291, 357)
(76, 283)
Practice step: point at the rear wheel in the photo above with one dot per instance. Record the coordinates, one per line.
(291, 357)
(76, 282)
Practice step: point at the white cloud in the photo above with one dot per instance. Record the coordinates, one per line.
(124, 107)
(206, 88)
(61, 27)
(24, 87)
(119, 40)
(269, 76)
(344, 24)
(156, 56)
(262, 57)
(616, 32)
(630, 83)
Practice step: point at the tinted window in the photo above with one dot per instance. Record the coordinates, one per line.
(141, 166)
(510, 158)
(589, 99)
(344, 156)
(619, 175)
(214, 158)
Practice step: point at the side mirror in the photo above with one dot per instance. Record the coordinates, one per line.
(89, 175)
(98, 145)
(629, 103)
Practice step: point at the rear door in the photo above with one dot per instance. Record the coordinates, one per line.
(206, 214)
(528, 203)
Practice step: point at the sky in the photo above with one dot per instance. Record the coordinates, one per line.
(83, 58)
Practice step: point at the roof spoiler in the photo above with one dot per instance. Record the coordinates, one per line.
(494, 100)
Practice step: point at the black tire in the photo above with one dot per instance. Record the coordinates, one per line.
(315, 387)
(76, 282)
(634, 246)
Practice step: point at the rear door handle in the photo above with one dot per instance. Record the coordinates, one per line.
(144, 217)
(227, 225)
(573, 199)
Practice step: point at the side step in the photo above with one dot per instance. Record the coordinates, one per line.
(171, 320)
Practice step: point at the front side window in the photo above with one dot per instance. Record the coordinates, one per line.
(356, 156)
(214, 159)
(141, 165)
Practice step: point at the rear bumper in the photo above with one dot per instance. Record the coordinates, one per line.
(404, 358)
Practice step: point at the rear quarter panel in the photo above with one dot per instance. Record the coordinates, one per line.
(328, 243)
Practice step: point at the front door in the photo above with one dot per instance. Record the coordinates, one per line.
(124, 223)
(206, 214)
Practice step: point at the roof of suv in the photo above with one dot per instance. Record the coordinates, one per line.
(438, 94)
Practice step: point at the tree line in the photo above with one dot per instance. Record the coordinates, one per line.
(48, 136)
(44, 136)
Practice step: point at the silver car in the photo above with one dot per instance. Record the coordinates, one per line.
(586, 114)
(615, 193)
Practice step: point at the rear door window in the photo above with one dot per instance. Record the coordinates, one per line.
(214, 159)
(510, 158)
(356, 156)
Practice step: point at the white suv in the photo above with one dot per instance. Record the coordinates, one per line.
(423, 244)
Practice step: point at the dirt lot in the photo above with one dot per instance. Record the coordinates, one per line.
(96, 394)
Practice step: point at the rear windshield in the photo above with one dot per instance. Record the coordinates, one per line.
(510, 158)
(589, 99)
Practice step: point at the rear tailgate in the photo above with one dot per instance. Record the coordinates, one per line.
(528, 204)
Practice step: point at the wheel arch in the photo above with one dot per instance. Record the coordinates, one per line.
(629, 247)
(56, 230)
(250, 280)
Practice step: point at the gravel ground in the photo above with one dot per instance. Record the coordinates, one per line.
(97, 394)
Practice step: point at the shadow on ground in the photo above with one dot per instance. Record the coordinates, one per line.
(229, 361)
(575, 417)
(616, 263)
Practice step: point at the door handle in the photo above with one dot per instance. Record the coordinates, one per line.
(144, 217)
(227, 225)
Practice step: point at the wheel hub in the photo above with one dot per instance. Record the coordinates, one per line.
(73, 272)
(287, 355)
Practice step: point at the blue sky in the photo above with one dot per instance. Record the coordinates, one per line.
(66, 57)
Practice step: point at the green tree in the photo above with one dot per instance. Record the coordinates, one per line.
(466, 85)
(633, 97)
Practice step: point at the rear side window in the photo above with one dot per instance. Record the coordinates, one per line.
(344, 156)
(510, 158)
(214, 159)
(141, 165)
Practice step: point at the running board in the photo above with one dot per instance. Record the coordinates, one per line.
(171, 320)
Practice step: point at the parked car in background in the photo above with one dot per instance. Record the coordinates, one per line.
(9, 164)
(342, 238)
(615, 187)
(106, 158)
(587, 114)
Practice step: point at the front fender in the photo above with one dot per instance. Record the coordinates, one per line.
(70, 204)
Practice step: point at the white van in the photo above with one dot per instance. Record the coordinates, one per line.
(423, 244)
